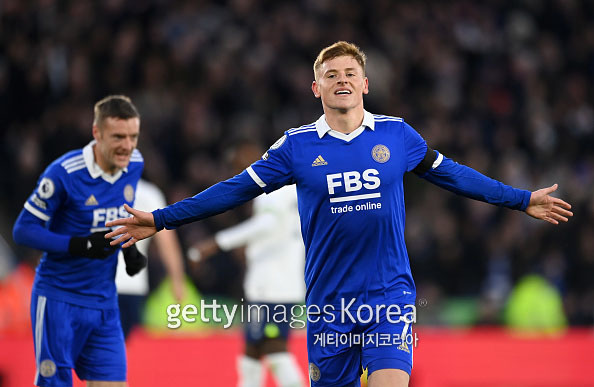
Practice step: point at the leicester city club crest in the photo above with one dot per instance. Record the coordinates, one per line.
(380, 153)
(47, 368)
(128, 193)
(314, 372)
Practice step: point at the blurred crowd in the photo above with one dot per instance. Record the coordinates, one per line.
(503, 86)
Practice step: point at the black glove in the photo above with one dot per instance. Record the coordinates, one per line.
(92, 246)
(135, 261)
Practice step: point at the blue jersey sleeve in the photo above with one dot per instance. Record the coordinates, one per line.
(212, 201)
(465, 181)
(49, 194)
(415, 146)
(30, 229)
(274, 170)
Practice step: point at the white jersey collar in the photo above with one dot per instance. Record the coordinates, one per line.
(322, 127)
(94, 169)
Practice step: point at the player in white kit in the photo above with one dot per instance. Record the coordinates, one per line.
(133, 290)
(275, 257)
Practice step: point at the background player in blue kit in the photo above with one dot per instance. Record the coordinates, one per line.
(74, 307)
(348, 167)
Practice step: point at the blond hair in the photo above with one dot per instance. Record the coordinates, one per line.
(337, 49)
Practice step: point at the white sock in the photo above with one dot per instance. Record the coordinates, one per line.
(250, 372)
(285, 369)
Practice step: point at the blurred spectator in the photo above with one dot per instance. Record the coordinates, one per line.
(535, 307)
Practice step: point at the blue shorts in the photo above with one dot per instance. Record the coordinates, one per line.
(70, 336)
(261, 323)
(341, 349)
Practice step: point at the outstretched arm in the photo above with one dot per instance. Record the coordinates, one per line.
(217, 199)
(545, 207)
(466, 181)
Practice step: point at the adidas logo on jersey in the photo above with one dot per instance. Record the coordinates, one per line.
(319, 161)
(403, 346)
(91, 201)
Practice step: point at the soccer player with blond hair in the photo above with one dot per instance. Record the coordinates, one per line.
(348, 167)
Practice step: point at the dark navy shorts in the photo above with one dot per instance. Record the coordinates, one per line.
(265, 321)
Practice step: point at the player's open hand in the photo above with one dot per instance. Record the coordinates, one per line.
(139, 226)
(544, 206)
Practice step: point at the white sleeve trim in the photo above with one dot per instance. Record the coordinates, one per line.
(437, 162)
(255, 177)
(36, 212)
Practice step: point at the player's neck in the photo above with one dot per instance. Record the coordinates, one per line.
(344, 121)
(102, 163)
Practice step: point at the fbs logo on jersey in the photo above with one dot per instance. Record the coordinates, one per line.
(319, 161)
(91, 201)
(102, 215)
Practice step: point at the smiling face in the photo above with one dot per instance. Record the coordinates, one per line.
(340, 83)
(116, 140)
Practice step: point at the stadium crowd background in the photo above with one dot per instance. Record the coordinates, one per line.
(503, 86)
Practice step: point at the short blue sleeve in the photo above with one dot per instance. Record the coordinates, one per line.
(415, 147)
(49, 193)
(275, 169)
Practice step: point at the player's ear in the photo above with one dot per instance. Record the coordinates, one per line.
(365, 86)
(315, 89)
(96, 132)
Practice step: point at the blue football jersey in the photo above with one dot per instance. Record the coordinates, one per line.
(351, 205)
(75, 197)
